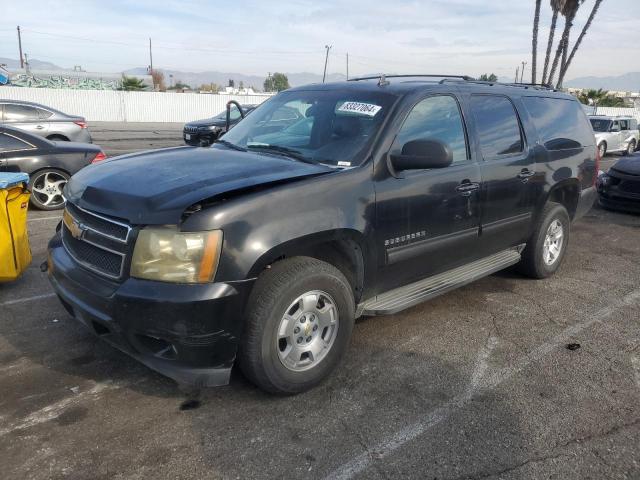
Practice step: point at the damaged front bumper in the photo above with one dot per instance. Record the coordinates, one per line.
(186, 332)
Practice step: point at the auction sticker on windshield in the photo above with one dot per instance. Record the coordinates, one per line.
(359, 108)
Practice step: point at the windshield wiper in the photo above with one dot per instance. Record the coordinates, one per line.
(289, 152)
(230, 145)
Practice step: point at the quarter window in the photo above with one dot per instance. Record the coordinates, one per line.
(435, 118)
(497, 125)
(10, 144)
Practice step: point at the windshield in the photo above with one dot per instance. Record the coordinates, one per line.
(331, 127)
(600, 125)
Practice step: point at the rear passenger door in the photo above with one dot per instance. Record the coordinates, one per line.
(507, 168)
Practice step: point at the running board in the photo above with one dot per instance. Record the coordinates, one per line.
(398, 299)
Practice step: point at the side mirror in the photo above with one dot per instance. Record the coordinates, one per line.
(423, 154)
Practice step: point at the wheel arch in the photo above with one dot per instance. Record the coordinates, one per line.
(344, 249)
(55, 136)
(566, 193)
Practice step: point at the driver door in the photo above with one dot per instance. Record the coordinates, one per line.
(427, 221)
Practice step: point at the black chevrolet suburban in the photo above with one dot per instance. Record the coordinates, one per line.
(265, 247)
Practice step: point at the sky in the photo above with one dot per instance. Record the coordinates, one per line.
(254, 37)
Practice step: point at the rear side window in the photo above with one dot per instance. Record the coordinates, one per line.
(10, 144)
(497, 125)
(44, 114)
(19, 113)
(561, 123)
(624, 124)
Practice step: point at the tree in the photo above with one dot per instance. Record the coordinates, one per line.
(600, 98)
(565, 67)
(276, 82)
(209, 87)
(534, 41)
(556, 6)
(158, 80)
(132, 84)
(569, 10)
(180, 86)
(488, 78)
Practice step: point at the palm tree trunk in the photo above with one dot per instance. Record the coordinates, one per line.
(552, 31)
(594, 10)
(559, 50)
(534, 42)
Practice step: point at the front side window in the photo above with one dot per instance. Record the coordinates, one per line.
(9, 143)
(435, 118)
(19, 113)
(322, 126)
(497, 125)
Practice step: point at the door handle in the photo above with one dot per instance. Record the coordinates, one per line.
(39, 127)
(467, 188)
(525, 174)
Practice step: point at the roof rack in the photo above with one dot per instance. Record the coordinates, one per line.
(382, 80)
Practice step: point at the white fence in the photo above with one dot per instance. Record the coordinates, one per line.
(116, 106)
(613, 111)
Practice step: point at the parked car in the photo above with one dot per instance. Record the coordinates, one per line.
(619, 187)
(205, 132)
(264, 248)
(615, 134)
(49, 164)
(44, 121)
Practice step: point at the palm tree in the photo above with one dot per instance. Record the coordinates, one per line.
(132, 84)
(556, 6)
(569, 10)
(564, 69)
(534, 42)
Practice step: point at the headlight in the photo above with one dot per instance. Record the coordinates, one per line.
(167, 255)
(604, 179)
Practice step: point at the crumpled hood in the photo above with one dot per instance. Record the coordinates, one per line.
(155, 187)
(629, 166)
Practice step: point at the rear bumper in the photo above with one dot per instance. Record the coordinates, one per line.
(186, 332)
(82, 136)
(585, 202)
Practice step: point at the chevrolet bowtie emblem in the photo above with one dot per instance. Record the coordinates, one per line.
(76, 229)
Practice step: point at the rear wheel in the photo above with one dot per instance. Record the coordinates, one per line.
(46, 188)
(298, 324)
(631, 147)
(57, 138)
(547, 245)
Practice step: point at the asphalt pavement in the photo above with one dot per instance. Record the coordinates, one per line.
(506, 378)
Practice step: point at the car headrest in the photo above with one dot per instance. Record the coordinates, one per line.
(344, 126)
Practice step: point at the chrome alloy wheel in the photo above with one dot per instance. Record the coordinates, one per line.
(553, 243)
(48, 189)
(307, 331)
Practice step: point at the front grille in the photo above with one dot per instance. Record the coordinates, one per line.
(190, 129)
(95, 242)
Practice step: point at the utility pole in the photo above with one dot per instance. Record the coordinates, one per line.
(347, 66)
(326, 59)
(517, 71)
(20, 47)
(522, 73)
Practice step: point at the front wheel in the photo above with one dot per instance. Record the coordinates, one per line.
(547, 245)
(46, 188)
(298, 324)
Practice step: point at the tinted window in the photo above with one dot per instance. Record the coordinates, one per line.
(599, 125)
(19, 113)
(9, 143)
(497, 124)
(624, 124)
(561, 123)
(43, 114)
(435, 118)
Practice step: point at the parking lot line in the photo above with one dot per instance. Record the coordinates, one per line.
(57, 217)
(27, 299)
(488, 381)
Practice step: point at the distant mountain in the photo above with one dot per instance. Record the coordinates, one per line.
(35, 64)
(628, 82)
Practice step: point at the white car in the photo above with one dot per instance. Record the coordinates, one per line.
(615, 134)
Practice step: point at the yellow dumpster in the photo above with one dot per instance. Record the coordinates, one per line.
(15, 253)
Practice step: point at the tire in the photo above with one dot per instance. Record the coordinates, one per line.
(631, 147)
(536, 262)
(57, 138)
(602, 147)
(266, 358)
(46, 188)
